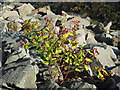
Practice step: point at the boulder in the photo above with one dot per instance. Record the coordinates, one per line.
(107, 27)
(3, 26)
(25, 9)
(50, 85)
(20, 75)
(20, 53)
(90, 38)
(81, 85)
(8, 7)
(16, 26)
(9, 14)
(84, 22)
(105, 58)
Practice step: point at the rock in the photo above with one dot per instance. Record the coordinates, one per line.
(3, 26)
(90, 38)
(21, 76)
(111, 53)
(107, 27)
(84, 22)
(8, 7)
(115, 33)
(105, 58)
(50, 85)
(14, 26)
(11, 18)
(99, 28)
(50, 12)
(10, 14)
(25, 9)
(81, 37)
(24, 18)
(1, 18)
(67, 16)
(81, 85)
(17, 55)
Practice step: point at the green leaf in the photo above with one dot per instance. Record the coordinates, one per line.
(49, 25)
(55, 70)
(45, 62)
(67, 60)
(78, 70)
(69, 33)
(76, 32)
(45, 36)
(40, 39)
(86, 67)
(73, 47)
(32, 38)
(65, 36)
(52, 62)
(87, 59)
(26, 46)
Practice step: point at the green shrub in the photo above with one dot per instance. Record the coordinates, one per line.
(59, 51)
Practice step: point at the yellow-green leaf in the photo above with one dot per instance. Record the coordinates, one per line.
(86, 67)
(77, 70)
(87, 59)
(65, 36)
(55, 70)
(45, 62)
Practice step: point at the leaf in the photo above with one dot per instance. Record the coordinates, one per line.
(87, 59)
(52, 62)
(76, 32)
(78, 70)
(69, 33)
(65, 36)
(26, 46)
(73, 47)
(45, 36)
(32, 38)
(55, 70)
(86, 67)
(49, 25)
(46, 44)
(45, 62)
(40, 39)
(67, 60)
(58, 51)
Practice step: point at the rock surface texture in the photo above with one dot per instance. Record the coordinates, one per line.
(23, 68)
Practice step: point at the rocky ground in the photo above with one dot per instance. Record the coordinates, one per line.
(22, 68)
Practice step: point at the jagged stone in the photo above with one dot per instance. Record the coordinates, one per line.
(82, 85)
(17, 55)
(20, 75)
(9, 14)
(25, 9)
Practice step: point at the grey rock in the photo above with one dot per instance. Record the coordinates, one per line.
(1, 18)
(50, 12)
(3, 26)
(105, 58)
(50, 85)
(84, 22)
(22, 76)
(10, 13)
(115, 33)
(90, 38)
(81, 85)
(8, 7)
(107, 27)
(16, 26)
(111, 53)
(12, 18)
(24, 18)
(17, 55)
(25, 9)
